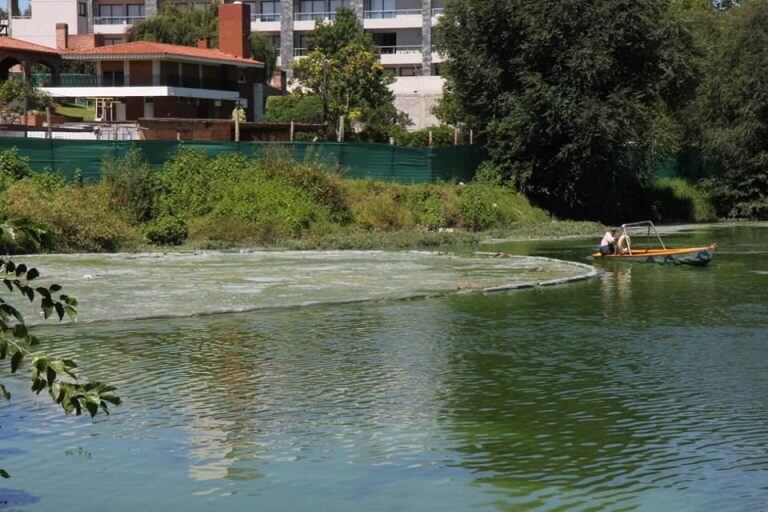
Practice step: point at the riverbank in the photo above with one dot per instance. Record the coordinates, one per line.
(198, 202)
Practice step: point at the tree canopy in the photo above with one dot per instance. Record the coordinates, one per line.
(572, 97)
(343, 68)
(179, 24)
(734, 112)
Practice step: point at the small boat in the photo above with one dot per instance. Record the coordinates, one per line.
(697, 256)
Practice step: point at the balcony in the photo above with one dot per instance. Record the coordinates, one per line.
(300, 52)
(396, 18)
(114, 24)
(313, 16)
(401, 54)
(437, 12)
(265, 18)
(266, 22)
(140, 80)
(117, 20)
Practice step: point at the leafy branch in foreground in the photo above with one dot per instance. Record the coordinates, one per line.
(57, 376)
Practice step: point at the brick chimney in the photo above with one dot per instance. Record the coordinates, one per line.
(235, 29)
(204, 42)
(62, 36)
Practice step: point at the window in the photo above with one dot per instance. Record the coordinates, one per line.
(274, 40)
(381, 9)
(82, 9)
(338, 4)
(113, 78)
(386, 41)
(111, 14)
(269, 11)
(135, 12)
(311, 9)
(109, 41)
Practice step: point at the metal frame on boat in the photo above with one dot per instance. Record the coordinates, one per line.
(698, 256)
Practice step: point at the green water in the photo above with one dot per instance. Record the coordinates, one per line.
(643, 389)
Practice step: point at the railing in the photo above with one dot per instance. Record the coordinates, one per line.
(378, 15)
(313, 16)
(265, 18)
(399, 50)
(117, 20)
(21, 17)
(192, 82)
(437, 11)
(300, 52)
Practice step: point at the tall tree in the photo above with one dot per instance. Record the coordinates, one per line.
(343, 68)
(572, 97)
(178, 24)
(734, 112)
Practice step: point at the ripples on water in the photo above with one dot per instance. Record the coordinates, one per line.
(642, 390)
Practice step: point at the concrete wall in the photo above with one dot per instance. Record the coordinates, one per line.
(41, 29)
(416, 96)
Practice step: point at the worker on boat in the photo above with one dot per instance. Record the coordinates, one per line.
(608, 243)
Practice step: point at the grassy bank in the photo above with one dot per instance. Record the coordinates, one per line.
(228, 201)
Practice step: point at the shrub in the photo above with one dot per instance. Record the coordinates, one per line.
(133, 185)
(477, 208)
(193, 183)
(78, 218)
(441, 136)
(321, 180)
(166, 230)
(13, 165)
(676, 200)
(299, 108)
(274, 207)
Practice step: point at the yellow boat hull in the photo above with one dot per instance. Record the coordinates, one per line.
(697, 256)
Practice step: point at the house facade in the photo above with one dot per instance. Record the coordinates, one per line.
(156, 80)
(401, 28)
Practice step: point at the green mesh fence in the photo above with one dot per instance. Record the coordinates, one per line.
(357, 159)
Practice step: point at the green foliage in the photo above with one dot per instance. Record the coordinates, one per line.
(77, 218)
(571, 97)
(263, 50)
(343, 68)
(132, 183)
(299, 108)
(178, 24)
(18, 345)
(166, 230)
(676, 200)
(441, 136)
(12, 97)
(13, 165)
(734, 113)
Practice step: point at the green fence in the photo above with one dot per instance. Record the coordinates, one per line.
(359, 160)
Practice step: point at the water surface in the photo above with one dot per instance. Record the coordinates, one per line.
(643, 389)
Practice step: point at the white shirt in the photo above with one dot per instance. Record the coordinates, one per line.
(607, 239)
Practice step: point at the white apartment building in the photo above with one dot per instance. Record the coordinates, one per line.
(401, 28)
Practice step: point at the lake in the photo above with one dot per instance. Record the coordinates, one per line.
(645, 388)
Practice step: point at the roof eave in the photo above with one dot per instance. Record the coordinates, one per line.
(163, 56)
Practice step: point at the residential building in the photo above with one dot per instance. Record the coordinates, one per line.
(402, 29)
(154, 80)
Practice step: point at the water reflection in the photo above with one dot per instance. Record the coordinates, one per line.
(645, 389)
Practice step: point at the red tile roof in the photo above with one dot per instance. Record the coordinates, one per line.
(152, 49)
(16, 45)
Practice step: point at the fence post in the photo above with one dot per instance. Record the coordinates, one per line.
(341, 129)
(430, 139)
(291, 137)
(455, 136)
